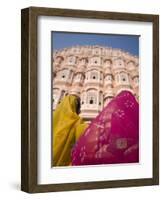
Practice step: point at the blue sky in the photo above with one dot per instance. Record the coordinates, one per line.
(129, 43)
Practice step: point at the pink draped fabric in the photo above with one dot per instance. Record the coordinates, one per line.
(113, 136)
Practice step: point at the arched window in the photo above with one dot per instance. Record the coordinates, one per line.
(94, 75)
(96, 51)
(119, 63)
(63, 74)
(131, 65)
(82, 61)
(91, 97)
(71, 60)
(107, 63)
(82, 97)
(124, 78)
(91, 101)
(108, 77)
(58, 60)
(95, 60)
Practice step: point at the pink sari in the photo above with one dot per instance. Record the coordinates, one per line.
(113, 136)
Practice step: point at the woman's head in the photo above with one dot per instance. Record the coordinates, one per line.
(77, 103)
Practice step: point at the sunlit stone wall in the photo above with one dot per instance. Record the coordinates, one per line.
(96, 74)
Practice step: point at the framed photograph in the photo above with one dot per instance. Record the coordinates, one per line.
(90, 99)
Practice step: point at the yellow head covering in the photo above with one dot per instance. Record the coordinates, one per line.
(67, 128)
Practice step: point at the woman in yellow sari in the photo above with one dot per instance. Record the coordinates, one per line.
(67, 128)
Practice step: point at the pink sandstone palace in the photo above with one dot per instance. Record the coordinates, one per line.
(94, 73)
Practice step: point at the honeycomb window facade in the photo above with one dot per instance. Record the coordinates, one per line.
(94, 73)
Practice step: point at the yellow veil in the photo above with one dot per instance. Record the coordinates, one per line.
(67, 128)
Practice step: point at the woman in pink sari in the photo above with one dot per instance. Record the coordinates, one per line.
(113, 136)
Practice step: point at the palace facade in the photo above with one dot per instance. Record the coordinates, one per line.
(94, 73)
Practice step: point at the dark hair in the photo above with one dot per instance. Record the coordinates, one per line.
(78, 104)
